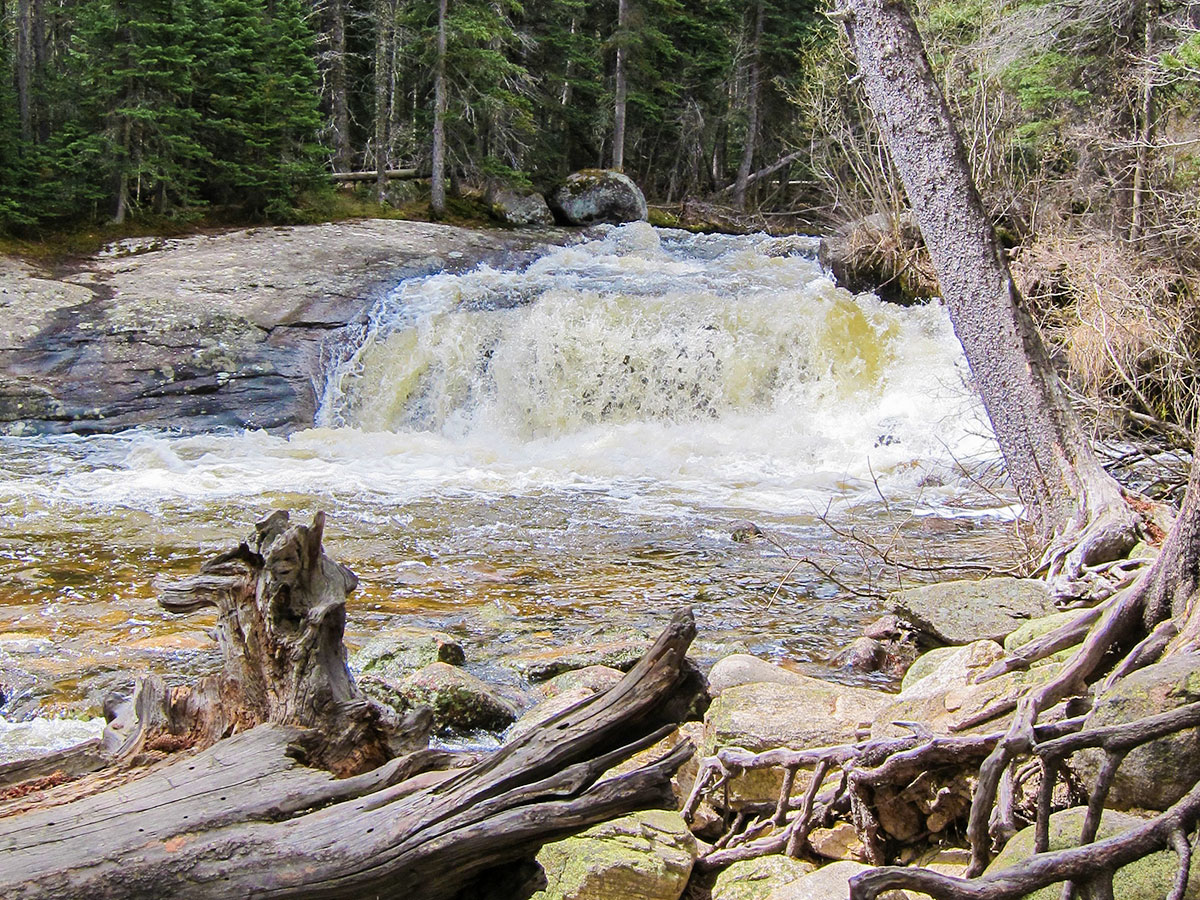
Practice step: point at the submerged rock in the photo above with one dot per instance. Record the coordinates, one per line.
(591, 196)
(541, 665)
(644, 856)
(959, 612)
(399, 652)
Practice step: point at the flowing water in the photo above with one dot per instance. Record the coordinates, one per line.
(532, 458)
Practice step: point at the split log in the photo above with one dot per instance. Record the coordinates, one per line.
(246, 817)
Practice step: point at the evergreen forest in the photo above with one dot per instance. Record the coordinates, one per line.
(174, 108)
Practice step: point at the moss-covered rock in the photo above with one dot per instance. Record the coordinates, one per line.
(1036, 628)
(541, 665)
(756, 879)
(806, 713)
(1149, 878)
(644, 856)
(591, 196)
(831, 882)
(926, 664)
(1156, 774)
(949, 697)
(398, 652)
(460, 701)
(959, 612)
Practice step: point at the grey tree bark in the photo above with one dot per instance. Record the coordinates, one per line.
(24, 67)
(437, 187)
(752, 114)
(621, 86)
(1068, 495)
(339, 102)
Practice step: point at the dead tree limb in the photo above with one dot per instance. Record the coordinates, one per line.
(245, 818)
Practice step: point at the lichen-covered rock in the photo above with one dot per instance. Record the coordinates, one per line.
(926, 664)
(593, 678)
(1156, 774)
(459, 700)
(591, 196)
(1149, 878)
(756, 879)
(1036, 628)
(959, 612)
(398, 652)
(831, 882)
(543, 664)
(644, 856)
(514, 208)
(764, 715)
(742, 668)
(949, 697)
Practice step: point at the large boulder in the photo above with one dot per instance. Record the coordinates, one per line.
(1154, 775)
(959, 612)
(513, 208)
(644, 856)
(592, 196)
(1150, 878)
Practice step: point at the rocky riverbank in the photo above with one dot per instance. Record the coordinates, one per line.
(756, 707)
(211, 330)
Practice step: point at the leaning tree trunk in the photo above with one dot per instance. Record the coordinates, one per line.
(1057, 476)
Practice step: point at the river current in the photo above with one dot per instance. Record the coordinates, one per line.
(539, 457)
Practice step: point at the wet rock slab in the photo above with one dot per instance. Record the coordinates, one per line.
(210, 330)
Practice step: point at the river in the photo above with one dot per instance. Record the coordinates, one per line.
(536, 457)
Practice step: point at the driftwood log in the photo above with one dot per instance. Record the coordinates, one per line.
(257, 813)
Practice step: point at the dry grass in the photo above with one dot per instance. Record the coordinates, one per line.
(1127, 325)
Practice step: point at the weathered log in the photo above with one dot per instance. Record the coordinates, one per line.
(244, 818)
(390, 175)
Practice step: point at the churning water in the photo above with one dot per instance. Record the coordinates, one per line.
(534, 457)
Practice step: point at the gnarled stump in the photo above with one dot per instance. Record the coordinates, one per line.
(281, 606)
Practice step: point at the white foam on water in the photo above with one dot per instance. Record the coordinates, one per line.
(37, 737)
